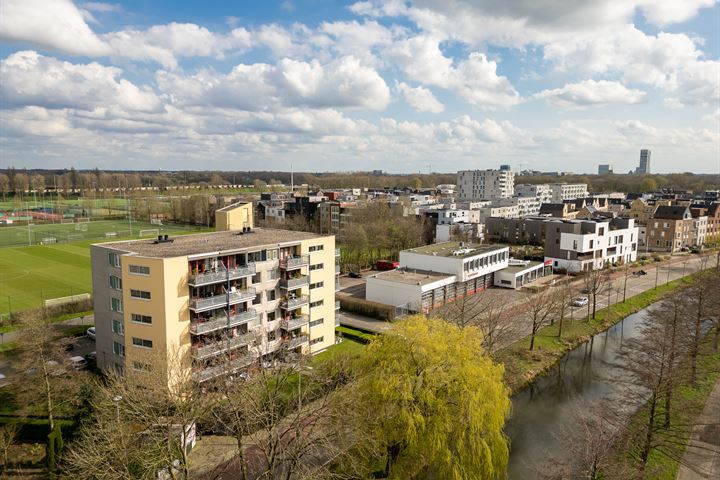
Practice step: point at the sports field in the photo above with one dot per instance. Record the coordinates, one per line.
(30, 275)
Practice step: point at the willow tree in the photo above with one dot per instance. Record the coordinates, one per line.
(431, 404)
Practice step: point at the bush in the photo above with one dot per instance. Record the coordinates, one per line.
(35, 430)
(357, 335)
(368, 308)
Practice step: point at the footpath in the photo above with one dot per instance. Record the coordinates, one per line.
(702, 456)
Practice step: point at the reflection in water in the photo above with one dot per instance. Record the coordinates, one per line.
(543, 409)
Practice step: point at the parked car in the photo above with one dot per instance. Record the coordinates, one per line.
(386, 265)
(91, 333)
(640, 273)
(579, 302)
(78, 363)
(355, 275)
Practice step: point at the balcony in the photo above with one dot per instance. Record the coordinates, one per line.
(337, 305)
(337, 269)
(293, 283)
(207, 278)
(229, 367)
(293, 303)
(223, 345)
(292, 263)
(296, 322)
(296, 341)
(220, 322)
(221, 300)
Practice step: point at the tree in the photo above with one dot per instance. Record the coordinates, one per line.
(648, 185)
(700, 306)
(4, 185)
(37, 183)
(8, 435)
(21, 183)
(430, 403)
(563, 297)
(485, 312)
(541, 308)
(595, 282)
(259, 185)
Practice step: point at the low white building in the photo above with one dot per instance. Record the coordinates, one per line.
(521, 272)
(473, 232)
(568, 191)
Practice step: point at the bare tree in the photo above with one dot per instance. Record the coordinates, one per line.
(8, 435)
(540, 308)
(595, 282)
(699, 297)
(563, 297)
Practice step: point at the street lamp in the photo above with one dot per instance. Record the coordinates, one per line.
(117, 399)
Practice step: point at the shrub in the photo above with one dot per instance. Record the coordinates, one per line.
(368, 308)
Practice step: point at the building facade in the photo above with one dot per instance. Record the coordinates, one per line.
(485, 184)
(581, 245)
(644, 166)
(671, 229)
(213, 303)
(568, 191)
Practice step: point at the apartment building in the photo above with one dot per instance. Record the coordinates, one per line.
(214, 303)
(671, 229)
(516, 231)
(580, 245)
(568, 191)
(485, 184)
(526, 206)
(433, 275)
(542, 191)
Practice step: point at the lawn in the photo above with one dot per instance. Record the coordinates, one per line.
(30, 275)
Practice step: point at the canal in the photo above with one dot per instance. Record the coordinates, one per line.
(546, 408)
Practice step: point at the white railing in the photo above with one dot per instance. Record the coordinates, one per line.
(219, 322)
(295, 262)
(222, 299)
(296, 341)
(296, 322)
(291, 283)
(296, 302)
(233, 365)
(207, 278)
(223, 345)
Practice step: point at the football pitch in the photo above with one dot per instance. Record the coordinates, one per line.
(31, 274)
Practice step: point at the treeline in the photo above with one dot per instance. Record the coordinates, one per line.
(632, 183)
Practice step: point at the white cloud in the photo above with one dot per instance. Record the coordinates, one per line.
(57, 25)
(420, 99)
(102, 7)
(591, 92)
(33, 79)
(474, 79)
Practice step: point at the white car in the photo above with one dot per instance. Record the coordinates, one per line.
(91, 333)
(78, 363)
(580, 302)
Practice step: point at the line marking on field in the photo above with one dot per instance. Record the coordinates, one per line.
(17, 277)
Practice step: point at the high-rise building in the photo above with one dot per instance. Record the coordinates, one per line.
(604, 169)
(644, 166)
(214, 303)
(485, 184)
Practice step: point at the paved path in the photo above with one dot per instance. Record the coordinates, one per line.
(86, 320)
(362, 322)
(702, 456)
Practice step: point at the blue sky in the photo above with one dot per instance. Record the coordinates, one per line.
(393, 85)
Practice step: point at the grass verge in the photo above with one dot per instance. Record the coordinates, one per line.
(522, 366)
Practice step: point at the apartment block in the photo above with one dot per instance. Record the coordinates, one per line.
(485, 184)
(671, 229)
(213, 303)
(568, 191)
(542, 191)
(580, 245)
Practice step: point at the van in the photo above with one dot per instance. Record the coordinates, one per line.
(78, 363)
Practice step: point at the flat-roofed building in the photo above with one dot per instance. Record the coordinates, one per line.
(213, 303)
(521, 272)
(485, 184)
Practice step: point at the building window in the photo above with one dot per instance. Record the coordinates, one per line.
(271, 336)
(142, 342)
(141, 294)
(137, 318)
(317, 340)
(139, 269)
(115, 282)
(272, 274)
(271, 316)
(317, 322)
(258, 299)
(117, 327)
(317, 266)
(319, 303)
(141, 367)
(257, 278)
(271, 295)
(114, 259)
(317, 248)
(316, 285)
(119, 349)
(116, 304)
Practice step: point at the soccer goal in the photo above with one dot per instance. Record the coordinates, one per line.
(67, 220)
(149, 232)
(155, 221)
(83, 220)
(48, 240)
(81, 227)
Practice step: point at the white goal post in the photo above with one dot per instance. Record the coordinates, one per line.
(149, 232)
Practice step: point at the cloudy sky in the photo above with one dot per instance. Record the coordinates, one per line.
(402, 86)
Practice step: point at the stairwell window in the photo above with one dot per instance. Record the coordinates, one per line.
(117, 327)
(115, 282)
(119, 349)
(139, 270)
(319, 303)
(114, 259)
(137, 318)
(317, 322)
(140, 294)
(116, 304)
(142, 342)
(316, 340)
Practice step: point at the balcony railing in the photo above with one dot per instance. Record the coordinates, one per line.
(221, 300)
(337, 305)
(337, 269)
(207, 278)
(220, 322)
(295, 262)
(296, 322)
(293, 303)
(292, 283)
(337, 252)
(296, 341)
(230, 367)
(223, 345)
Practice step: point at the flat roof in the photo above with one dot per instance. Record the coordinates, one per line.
(209, 242)
(411, 276)
(446, 249)
(520, 268)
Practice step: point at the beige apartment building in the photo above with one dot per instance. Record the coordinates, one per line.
(214, 303)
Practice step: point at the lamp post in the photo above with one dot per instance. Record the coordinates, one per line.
(117, 399)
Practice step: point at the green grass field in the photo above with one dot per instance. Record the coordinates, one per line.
(30, 275)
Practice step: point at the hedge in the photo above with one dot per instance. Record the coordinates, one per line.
(357, 335)
(36, 430)
(367, 308)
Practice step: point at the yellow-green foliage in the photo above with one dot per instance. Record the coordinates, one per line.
(434, 403)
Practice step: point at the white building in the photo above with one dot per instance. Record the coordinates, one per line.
(474, 232)
(568, 191)
(579, 245)
(446, 271)
(508, 211)
(485, 184)
(446, 189)
(526, 206)
(542, 191)
(520, 273)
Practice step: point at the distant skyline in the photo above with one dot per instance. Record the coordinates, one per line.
(339, 86)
